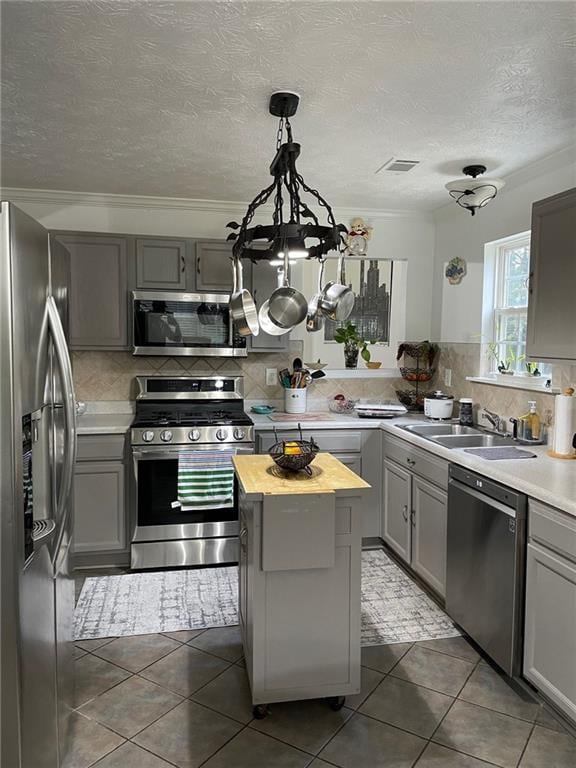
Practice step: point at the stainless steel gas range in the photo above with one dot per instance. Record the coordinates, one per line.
(194, 425)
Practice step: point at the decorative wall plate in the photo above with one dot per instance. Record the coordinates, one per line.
(455, 270)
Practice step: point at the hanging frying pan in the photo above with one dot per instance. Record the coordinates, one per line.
(242, 307)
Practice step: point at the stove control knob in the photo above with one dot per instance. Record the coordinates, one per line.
(166, 436)
(239, 434)
(221, 434)
(194, 435)
(148, 436)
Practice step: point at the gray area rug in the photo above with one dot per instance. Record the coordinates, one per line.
(394, 608)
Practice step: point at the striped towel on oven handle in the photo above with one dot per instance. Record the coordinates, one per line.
(205, 478)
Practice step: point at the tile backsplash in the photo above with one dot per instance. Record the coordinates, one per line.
(110, 376)
(464, 360)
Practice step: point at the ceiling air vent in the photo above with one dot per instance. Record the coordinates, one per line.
(398, 166)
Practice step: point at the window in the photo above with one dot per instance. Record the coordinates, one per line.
(508, 265)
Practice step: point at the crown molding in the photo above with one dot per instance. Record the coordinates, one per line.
(562, 158)
(231, 207)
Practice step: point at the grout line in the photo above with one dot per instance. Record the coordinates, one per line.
(498, 711)
(221, 747)
(527, 742)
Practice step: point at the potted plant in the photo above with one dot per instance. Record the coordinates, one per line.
(504, 366)
(353, 344)
(532, 369)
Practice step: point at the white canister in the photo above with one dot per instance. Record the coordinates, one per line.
(295, 400)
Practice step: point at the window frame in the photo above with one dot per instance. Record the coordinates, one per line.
(492, 309)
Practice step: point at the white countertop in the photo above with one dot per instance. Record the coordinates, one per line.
(552, 481)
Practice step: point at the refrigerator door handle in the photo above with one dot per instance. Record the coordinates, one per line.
(69, 403)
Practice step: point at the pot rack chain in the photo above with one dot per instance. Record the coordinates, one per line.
(286, 176)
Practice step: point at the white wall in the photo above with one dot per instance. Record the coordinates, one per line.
(397, 235)
(460, 234)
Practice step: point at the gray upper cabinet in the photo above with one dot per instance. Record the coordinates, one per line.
(551, 304)
(214, 267)
(397, 506)
(264, 282)
(98, 290)
(161, 264)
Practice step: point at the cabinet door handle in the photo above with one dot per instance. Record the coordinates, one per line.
(242, 537)
(405, 512)
(413, 518)
(183, 264)
(198, 264)
(411, 462)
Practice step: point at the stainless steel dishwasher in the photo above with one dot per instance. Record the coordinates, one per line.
(485, 564)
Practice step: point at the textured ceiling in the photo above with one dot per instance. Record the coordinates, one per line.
(170, 98)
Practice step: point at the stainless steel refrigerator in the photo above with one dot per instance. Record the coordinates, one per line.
(37, 455)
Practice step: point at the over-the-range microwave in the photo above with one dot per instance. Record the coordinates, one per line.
(169, 323)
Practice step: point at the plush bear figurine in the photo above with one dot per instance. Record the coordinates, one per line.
(358, 236)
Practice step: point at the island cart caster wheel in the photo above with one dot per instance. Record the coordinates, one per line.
(336, 703)
(260, 711)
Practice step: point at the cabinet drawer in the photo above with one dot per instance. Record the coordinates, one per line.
(328, 440)
(100, 447)
(553, 528)
(418, 461)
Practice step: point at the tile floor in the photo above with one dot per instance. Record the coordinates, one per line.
(182, 699)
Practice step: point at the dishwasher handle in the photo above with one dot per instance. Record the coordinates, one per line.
(510, 511)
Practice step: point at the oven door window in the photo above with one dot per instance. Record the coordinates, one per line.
(180, 324)
(158, 490)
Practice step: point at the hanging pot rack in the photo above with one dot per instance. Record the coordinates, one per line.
(290, 231)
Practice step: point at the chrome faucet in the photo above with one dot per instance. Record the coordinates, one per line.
(498, 423)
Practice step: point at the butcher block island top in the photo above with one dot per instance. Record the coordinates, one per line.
(258, 475)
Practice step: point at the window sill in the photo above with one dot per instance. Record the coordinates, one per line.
(516, 382)
(362, 373)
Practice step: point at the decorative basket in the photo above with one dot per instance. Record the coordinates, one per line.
(294, 462)
(416, 374)
(411, 398)
(342, 406)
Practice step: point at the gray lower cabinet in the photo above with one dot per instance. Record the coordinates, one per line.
(361, 450)
(214, 266)
(161, 264)
(100, 520)
(429, 521)
(551, 306)
(414, 509)
(396, 530)
(98, 290)
(550, 622)
(264, 283)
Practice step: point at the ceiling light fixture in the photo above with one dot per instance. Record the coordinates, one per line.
(473, 193)
(288, 231)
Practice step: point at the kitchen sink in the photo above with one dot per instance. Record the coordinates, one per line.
(457, 436)
(479, 440)
(433, 430)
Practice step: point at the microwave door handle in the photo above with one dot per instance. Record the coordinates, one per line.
(69, 403)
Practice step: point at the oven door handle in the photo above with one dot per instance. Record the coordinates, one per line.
(171, 453)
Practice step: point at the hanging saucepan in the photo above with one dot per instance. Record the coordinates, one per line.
(266, 324)
(315, 318)
(287, 307)
(337, 300)
(242, 308)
